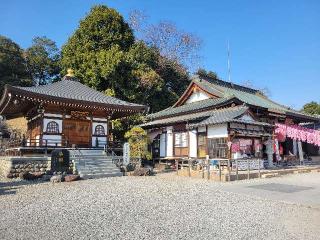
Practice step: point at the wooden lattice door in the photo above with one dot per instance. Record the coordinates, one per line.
(77, 132)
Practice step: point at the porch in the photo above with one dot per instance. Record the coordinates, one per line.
(224, 170)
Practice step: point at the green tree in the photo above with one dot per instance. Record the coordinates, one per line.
(42, 60)
(96, 50)
(105, 55)
(312, 108)
(207, 74)
(13, 69)
(138, 140)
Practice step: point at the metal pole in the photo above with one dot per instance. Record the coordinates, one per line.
(219, 170)
(237, 173)
(177, 166)
(248, 168)
(203, 165)
(189, 168)
(208, 168)
(259, 167)
(229, 172)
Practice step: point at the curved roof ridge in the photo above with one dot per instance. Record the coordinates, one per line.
(198, 105)
(74, 90)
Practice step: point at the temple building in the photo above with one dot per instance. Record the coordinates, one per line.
(65, 113)
(216, 119)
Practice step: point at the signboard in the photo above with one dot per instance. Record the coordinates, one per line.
(243, 164)
(126, 153)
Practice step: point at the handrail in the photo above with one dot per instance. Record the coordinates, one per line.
(79, 157)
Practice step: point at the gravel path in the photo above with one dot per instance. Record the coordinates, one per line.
(160, 207)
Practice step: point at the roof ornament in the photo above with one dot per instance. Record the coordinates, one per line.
(70, 72)
(70, 75)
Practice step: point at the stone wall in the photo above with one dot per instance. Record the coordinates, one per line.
(13, 166)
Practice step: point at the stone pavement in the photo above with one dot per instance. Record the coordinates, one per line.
(301, 189)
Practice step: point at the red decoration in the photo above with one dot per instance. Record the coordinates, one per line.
(235, 147)
(298, 133)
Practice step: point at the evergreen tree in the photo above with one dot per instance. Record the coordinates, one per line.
(42, 60)
(13, 69)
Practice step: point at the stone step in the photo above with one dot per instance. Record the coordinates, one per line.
(98, 168)
(92, 157)
(91, 176)
(95, 164)
(98, 172)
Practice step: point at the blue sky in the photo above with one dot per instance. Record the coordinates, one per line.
(274, 44)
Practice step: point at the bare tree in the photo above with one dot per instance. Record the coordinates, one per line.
(173, 43)
(137, 20)
(264, 90)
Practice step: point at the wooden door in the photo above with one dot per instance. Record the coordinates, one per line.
(202, 145)
(77, 132)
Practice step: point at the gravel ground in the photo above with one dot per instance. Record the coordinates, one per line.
(160, 207)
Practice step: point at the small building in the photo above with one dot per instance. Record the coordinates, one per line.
(65, 113)
(222, 120)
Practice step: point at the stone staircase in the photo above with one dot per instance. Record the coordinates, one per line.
(94, 164)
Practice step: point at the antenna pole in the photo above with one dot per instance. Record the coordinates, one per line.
(229, 65)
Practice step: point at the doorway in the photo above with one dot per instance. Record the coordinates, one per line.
(202, 144)
(77, 132)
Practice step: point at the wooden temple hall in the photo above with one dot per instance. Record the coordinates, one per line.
(220, 120)
(65, 113)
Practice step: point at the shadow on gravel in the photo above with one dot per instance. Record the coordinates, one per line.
(8, 188)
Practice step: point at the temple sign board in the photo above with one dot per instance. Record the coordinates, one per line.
(126, 153)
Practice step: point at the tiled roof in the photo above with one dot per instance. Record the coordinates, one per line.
(222, 115)
(203, 104)
(207, 117)
(74, 90)
(246, 95)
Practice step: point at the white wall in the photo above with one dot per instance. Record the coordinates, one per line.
(52, 115)
(218, 131)
(163, 145)
(52, 140)
(193, 144)
(94, 124)
(202, 129)
(197, 96)
(47, 120)
(102, 140)
(169, 142)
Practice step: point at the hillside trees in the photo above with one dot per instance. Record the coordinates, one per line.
(42, 60)
(312, 108)
(13, 68)
(105, 55)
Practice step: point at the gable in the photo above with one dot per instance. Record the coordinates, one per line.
(197, 96)
(194, 93)
(247, 117)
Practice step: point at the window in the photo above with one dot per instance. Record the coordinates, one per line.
(181, 139)
(52, 127)
(217, 147)
(181, 144)
(99, 130)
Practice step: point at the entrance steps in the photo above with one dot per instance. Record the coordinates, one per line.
(94, 164)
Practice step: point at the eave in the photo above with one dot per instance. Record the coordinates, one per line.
(30, 98)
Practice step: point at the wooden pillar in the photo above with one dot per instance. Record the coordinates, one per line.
(90, 129)
(63, 137)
